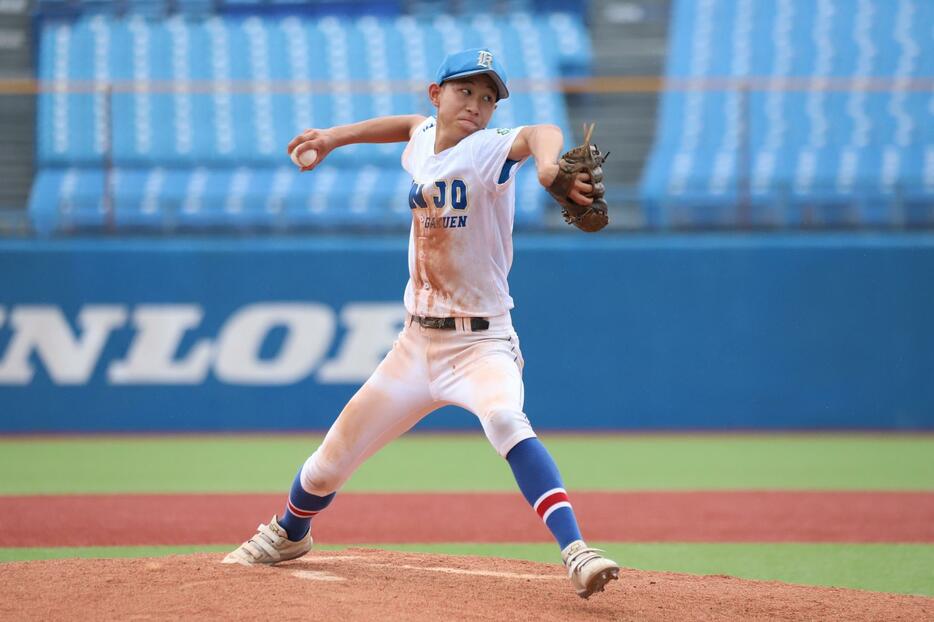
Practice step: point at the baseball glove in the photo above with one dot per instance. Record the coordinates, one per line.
(584, 158)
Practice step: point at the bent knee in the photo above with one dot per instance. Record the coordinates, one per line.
(505, 428)
(320, 477)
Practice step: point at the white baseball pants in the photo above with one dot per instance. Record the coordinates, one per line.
(426, 369)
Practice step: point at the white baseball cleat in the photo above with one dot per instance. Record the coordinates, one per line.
(588, 571)
(270, 545)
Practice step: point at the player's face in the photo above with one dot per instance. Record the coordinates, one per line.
(466, 105)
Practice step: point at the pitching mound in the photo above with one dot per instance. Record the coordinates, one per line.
(365, 584)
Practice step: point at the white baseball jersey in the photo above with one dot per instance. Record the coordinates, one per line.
(463, 205)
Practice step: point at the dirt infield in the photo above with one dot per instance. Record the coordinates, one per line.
(487, 517)
(358, 584)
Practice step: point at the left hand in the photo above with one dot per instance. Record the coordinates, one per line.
(582, 187)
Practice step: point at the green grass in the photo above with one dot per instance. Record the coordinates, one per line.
(466, 462)
(898, 568)
(64, 552)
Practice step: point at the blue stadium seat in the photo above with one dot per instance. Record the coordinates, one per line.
(142, 198)
(531, 199)
(836, 158)
(69, 199)
(161, 199)
(186, 156)
(573, 47)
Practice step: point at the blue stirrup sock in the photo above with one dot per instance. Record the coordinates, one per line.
(540, 482)
(300, 509)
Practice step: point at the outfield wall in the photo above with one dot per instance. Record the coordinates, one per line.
(631, 332)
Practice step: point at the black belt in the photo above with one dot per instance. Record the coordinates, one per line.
(449, 323)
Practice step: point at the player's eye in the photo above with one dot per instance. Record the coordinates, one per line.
(488, 98)
(465, 91)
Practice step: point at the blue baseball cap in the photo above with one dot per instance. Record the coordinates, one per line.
(473, 62)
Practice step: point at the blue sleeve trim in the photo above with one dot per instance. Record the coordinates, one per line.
(507, 167)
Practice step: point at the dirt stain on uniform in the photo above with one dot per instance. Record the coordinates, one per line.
(440, 260)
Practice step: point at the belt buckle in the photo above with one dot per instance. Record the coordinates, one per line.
(431, 322)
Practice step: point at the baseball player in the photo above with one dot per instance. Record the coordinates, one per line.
(458, 345)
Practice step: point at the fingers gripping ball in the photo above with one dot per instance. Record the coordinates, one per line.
(588, 159)
(306, 158)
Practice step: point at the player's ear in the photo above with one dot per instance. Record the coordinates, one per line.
(434, 94)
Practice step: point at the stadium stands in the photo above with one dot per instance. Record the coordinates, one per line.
(794, 154)
(181, 123)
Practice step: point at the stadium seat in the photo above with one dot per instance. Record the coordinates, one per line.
(69, 199)
(181, 155)
(809, 157)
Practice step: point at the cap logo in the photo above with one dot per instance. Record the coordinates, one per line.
(485, 59)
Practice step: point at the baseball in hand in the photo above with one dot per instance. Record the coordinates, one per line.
(307, 158)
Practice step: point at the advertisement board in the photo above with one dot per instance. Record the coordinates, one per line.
(640, 332)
